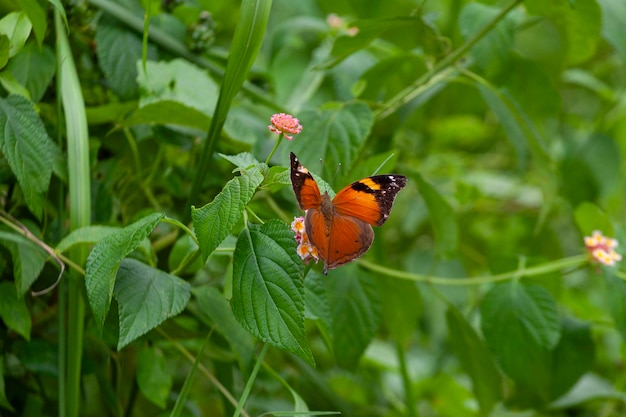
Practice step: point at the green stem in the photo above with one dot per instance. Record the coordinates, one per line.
(269, 157)
(554, 266)
(409, 399)
(246, 391)
(408, 93)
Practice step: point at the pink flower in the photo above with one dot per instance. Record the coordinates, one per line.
(305, 249)
(285, 124)
(602, 249)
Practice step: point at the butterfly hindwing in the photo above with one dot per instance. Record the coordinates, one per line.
(370, 199)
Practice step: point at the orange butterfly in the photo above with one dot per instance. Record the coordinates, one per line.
(340, 228)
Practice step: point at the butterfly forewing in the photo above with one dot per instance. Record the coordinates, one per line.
(304, 186)
(370, 199)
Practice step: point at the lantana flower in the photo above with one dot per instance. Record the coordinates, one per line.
(285, 124)
(602, 248)
(305, 249)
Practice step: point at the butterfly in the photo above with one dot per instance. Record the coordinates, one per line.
(341, 228)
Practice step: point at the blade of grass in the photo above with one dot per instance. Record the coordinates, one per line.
(247, 41)
(80, 212)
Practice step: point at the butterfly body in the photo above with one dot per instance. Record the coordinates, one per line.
(340, 228)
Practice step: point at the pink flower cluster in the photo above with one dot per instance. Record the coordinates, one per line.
(602, 249)
(285, 124)
(305, 250)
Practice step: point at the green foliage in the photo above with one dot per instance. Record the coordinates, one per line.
(181, 289)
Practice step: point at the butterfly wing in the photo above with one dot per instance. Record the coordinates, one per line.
(339, 239)
(304, 186)
(369, 199)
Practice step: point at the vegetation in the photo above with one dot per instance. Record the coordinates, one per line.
(147, 263)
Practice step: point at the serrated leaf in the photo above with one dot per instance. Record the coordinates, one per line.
(37, 17)
(16, 27)
(214, 221)
(442, 216)
(87, 235)
(34, 68)
(212, 303)
(521, 325)
(169, 112)
(353, 297)
(146, 297)
(243, 160)
(104, 261)
(118, 50)
(153, 378)
(4, 402)
(333, 134)
(476, 360)
(13, 310)
(268, 292)
(27, 148)
(28, 258)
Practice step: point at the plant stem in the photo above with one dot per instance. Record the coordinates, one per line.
(250, 383)
(554, 266)
(406, 381)
(410, 92)
(269, 157)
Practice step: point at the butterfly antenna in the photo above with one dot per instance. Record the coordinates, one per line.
(382, 164)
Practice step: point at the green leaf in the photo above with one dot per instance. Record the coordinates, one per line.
(243, 160)
(572, 357)
(317, 308)
(268, 292)
(5, 45)
(28, 258)
(442, 216)
(16, 27)
(34, 68)
(579, 23)
(153, 378)
(590, 217)
(401, 307)
(494, 48)
(521, 325)
(4, 402)
(13, 310)
(104, 261)
(12, 85)
(59, 7)
(335, 134)
(212, 303)
(27, 148)
(169, 112)
(118, 51)
(613, 21)
(87, 235)
(354, 300)
(178, 81)
(215, 220)
(616, 299)
(37, 17)
(146, 297)
(368, 31)
(476, 360)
